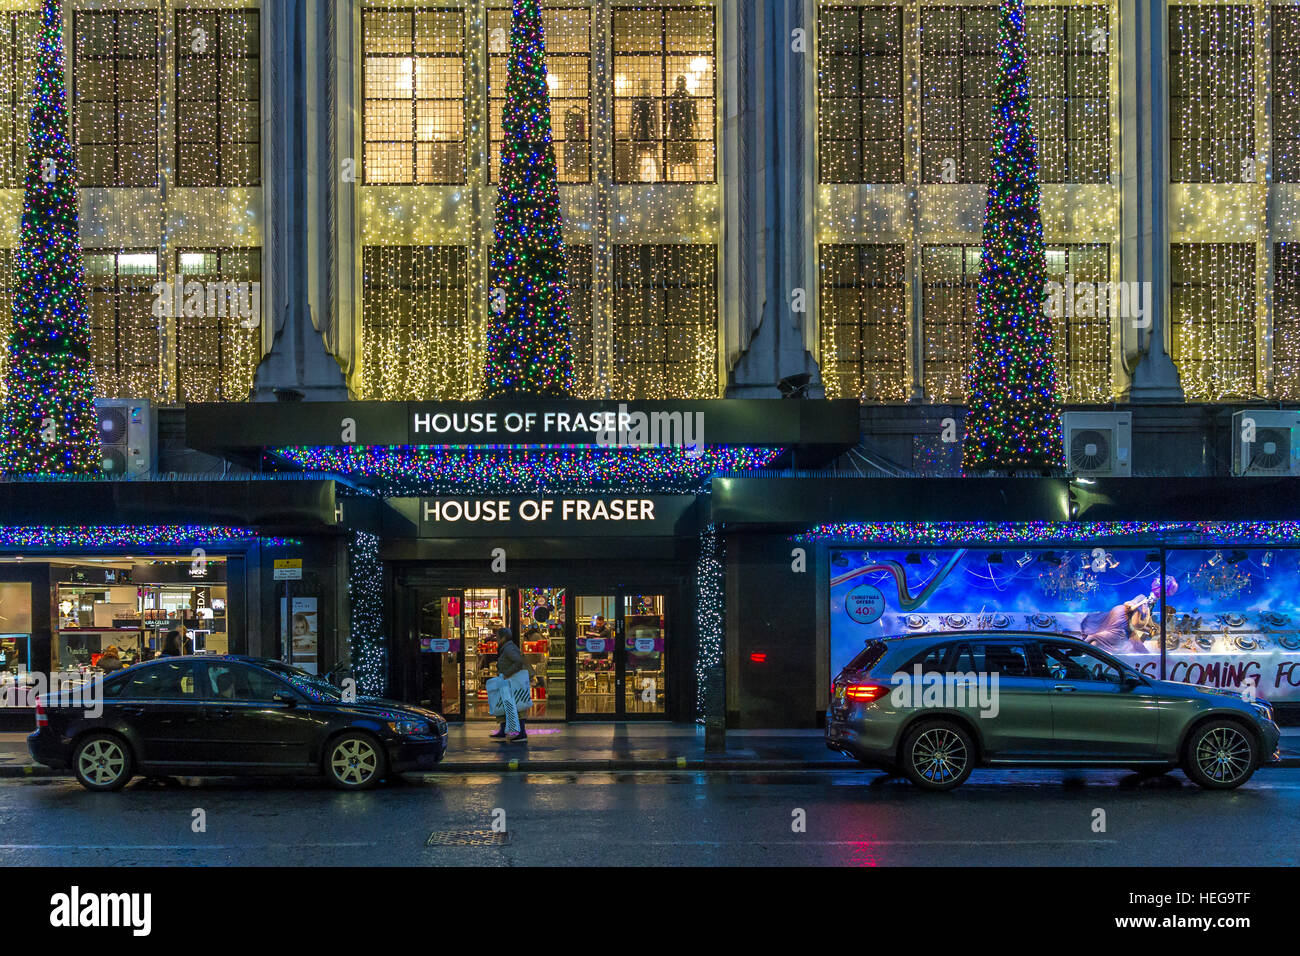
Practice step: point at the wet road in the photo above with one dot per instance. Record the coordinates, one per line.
(850, 818)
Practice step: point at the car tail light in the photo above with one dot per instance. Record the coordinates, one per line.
(41, 719)
(865, 692)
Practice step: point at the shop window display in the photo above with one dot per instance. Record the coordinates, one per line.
(1230, 618)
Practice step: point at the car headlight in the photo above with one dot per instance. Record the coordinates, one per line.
(408, 728)
(1264, 707)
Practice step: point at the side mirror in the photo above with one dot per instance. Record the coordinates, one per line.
(1128, 682)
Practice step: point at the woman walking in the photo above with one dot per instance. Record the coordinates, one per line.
(510, 661)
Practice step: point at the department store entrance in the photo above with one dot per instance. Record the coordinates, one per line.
(595, 653)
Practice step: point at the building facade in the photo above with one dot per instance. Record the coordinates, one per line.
(290, 206)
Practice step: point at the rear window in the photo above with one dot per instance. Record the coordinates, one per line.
(867, 657)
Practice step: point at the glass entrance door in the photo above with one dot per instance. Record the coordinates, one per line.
(644, 654)
(439, 650)
(486, 612)
(620, 656)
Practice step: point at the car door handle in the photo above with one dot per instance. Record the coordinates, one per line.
(133, 711)
(223, 711)
(1065, 688)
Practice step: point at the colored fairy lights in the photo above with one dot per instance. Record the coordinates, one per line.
(163, 536)
(961, 533)
(528, 352)
(1013, 421)
(523, 469)
(49, 415)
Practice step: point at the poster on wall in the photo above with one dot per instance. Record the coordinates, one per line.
(1232, 616)
(303, 631)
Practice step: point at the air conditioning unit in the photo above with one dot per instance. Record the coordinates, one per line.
(128, 437)
(1098, 443)
(1266, 441)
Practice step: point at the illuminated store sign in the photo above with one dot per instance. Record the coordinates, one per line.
(558, 514)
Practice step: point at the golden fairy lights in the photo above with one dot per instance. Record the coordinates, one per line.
(163, 94)
(637, 171)
(1217, 128)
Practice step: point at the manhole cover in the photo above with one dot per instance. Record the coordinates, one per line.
(467, 838)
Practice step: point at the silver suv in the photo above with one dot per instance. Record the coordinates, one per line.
(936, 706)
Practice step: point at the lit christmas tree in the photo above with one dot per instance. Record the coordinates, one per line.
(49, 418)
(528, 331)
(1014, 422)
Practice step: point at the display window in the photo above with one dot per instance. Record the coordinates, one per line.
(130, 605)
(1225, 618)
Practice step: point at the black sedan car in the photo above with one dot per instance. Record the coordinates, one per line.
(206, 716)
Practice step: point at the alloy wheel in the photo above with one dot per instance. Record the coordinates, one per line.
(1223, 754)
(939, 755)
(101, 762)
(354, 761)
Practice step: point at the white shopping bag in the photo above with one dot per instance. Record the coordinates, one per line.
(521, 686)
(495, 686)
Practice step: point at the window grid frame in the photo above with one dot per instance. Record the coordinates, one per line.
(662, 100)
(116, 58)
(20, 101)
(220, 57)
(120, 318)
(414, 98)
(1214, 367)
(180, 277)
(861, 141)
(898, 370)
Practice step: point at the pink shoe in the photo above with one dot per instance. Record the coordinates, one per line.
(519, 736)
(497, 735)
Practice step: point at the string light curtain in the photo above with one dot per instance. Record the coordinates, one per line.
(115, 95)
(665, 94)
(860, 90)
(1286, 94)
(1286, 320)
(127, 341)
(18, 37)
(218, 115)
(568, 66)
(1212, 93)
(863, 295)
(414, 95)
(419, 342)
(665, 321)
(1212, 308)
(217, 354)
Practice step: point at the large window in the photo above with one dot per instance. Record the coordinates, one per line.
(665, 322)
(664, 95)
(863, 291)
(18, 40)
(1286, 94)
(860, 87)
(1212, 292)
(417, 339)
(126, 336)
(218, 85)
(414, 109)
(217, 351)
(1212, 94)
(115, 96)
(568, 66)
(1286, 320)
(1069, 71)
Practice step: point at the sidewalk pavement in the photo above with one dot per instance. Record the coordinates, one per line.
(610, 747)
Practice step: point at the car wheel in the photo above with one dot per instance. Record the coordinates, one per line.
(355, 761)
(1220, 755)
(938, 755)
(102, 762)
